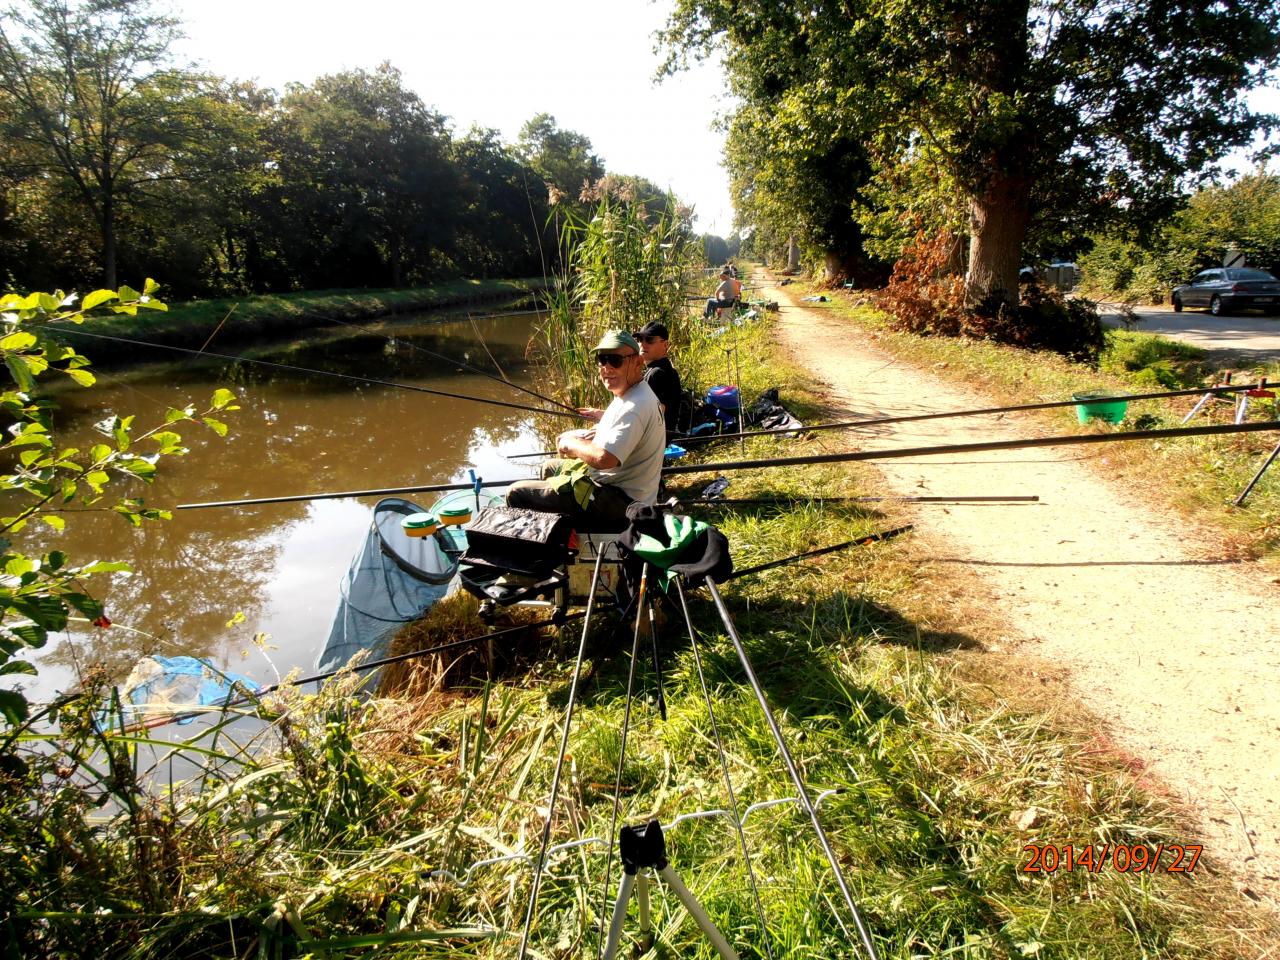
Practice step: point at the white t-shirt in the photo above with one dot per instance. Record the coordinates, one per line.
(632, 429)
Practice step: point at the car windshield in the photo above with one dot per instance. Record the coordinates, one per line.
(1243, 274)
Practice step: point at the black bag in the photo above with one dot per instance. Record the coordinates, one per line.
(515, 540)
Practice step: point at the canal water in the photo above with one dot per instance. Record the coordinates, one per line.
(278, 565)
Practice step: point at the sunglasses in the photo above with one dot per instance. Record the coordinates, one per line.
(614, 360)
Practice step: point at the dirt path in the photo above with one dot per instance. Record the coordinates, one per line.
(1178, 653)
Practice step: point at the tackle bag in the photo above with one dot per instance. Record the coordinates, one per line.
(515, 540)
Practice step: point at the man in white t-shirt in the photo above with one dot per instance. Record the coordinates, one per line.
(606, 468)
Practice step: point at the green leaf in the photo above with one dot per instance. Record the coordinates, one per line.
(149, 287)
(18, 340)
(128, 294)
(13, 707)
(222, 397)
(146, 303)
(169, 441)
(217, 426)
(140, 467)
(100, 452)
(21, 373)
(82, 377)
(17, 566)
(17, 666)
(88, 606)
(96, 479)
(28, 457)
(96, 298)
(49, 302)
(45, 611)
(56, 560)
(54, 521)
(103, 566)
(173, 414)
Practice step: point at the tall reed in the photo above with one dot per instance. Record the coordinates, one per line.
(624, 267)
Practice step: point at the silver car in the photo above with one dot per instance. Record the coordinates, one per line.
(1225, 289)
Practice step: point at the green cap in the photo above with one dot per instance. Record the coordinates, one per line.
(613, 339)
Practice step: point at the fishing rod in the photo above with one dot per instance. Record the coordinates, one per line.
(857, 455)
(321, 373)
(881, 421)
(802, 793)
(823, 551)
(461, 363)
(555, 621)
(730, 501)
(1054, 441)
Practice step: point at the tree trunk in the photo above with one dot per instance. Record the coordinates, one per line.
(793, 255)
(109, 242)
(998, 218)
(832, 266)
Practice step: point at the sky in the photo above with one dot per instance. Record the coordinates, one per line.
(497, 63)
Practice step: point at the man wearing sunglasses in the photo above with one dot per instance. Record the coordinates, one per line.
(606, 468)
(659, 374)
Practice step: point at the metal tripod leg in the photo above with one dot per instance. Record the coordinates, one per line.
(1258, 476)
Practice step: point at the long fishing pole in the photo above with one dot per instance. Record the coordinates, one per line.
(857, 455)
(460, 363)
(802, 794)
(910, 418)
(745, 501)
(321, 373)
(1055, 441)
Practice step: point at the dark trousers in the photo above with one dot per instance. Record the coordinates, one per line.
(713, 305)
(607, 511)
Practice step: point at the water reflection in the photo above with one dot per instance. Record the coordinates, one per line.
(280, 564)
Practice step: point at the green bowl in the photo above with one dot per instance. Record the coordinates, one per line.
(1100, 406)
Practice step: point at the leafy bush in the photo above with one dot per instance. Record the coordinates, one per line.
(924, 298)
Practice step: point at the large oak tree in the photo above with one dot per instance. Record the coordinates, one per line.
(1077, 109)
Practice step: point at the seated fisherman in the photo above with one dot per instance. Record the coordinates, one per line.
(726, 295)
(605, 469)
(659, 374)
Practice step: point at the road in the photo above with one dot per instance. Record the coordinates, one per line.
(1243, 337)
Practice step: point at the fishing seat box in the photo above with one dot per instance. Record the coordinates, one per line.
(514, 540)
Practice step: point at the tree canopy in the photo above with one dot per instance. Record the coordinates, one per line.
(1029, 114)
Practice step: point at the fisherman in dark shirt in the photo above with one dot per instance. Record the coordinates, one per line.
(661, 376)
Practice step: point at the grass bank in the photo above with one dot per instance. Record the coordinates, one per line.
(1200, 477)
(400, 826)
(229, 320)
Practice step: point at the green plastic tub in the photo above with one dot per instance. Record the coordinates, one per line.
(1100, 406)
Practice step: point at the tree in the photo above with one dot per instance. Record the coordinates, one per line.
(562, 158)
(1065, 109)
(364, 175)
(93, 93)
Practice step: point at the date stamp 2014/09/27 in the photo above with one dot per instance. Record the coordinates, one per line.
(1123, 858)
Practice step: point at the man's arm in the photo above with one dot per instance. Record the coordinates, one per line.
(574, 444)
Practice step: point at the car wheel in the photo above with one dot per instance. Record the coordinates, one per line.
(1216, 307)
(1177, 303)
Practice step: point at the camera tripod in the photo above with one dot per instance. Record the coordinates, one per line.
(642, 849)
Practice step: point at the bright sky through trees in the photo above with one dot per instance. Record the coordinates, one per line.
(496, 63)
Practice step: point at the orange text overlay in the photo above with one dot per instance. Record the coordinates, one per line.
(1123, 858)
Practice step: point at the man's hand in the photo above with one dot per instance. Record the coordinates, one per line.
(591, 413)
(580, 445)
